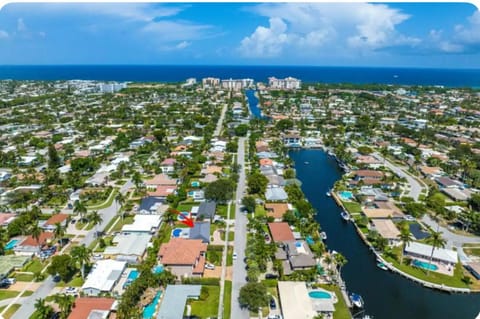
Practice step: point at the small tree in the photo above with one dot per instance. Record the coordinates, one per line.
(249, 203)
(253, 296)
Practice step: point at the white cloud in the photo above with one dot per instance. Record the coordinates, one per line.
(308, 27)
(3, 34)
(182, 45)
(266, 42)
(173, 31)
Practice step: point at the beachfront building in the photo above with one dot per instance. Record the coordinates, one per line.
(288, 83)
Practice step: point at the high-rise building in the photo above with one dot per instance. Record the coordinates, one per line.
(287, 83)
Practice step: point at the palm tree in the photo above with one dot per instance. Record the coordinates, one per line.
(65, 304)
(120, 199)
(405, 238)
(59, 232)
(82, 255)
(95, 218)
(137, 179)
(42, 309)
(36, 232)
(437, 241)
(80, 208)
(170, 216)
(340, 260)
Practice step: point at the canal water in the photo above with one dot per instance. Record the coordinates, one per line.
(386, 295)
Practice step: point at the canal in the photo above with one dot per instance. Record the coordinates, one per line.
(386, 295)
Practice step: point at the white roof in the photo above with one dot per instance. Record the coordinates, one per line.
(132, 244)
(443, 254)
(143, 223)
(295, 301)
(104, 276)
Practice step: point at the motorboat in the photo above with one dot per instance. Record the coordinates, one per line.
(328, 193)
(382, 266)
(345, 215)
(306, 163)
(356, 300)
(323, 235)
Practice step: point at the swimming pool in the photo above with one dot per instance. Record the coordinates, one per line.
(176, 232)
(132, 275)
(158, 269)
(345, 195)
(182, 215)
(309, 240)
(195, 184)
(319, 294)
(149, 310)
(424, 265)
(11, 244)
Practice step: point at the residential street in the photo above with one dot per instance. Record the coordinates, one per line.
(415, 186)
(28, 305)
(239, 272)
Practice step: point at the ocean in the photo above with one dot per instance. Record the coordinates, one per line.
(179, 73)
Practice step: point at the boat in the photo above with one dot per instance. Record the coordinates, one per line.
(381, 265)
(328, 193)
(306, 163)
(356, 300)
(323, 235)
(345, 215)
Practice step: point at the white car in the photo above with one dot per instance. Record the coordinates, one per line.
(97, 256)
(71, 291)
(234, 256)
(210, 266)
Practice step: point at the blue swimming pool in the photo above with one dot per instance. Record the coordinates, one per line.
(176, 232)
(319, 294)
(309, 240)
(424, 265)
(345, 195)
(11, 244)
(132, 275)
(149, 310)
(158, 269)
(195, 184)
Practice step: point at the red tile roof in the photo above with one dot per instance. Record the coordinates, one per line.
(281, 232)
(180, 251)
(30, 241)
(83, 306)
(57, 218)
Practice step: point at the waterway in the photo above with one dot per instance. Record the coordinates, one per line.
(386, 295)
(253, 103)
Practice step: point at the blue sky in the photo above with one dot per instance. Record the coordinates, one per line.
(361, 34)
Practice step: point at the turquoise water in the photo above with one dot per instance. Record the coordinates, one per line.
(158, 269)
(319, 294)
(12, 243)
(424, 265)
(132, 275)
(195, 184)
(149, 310)
(309, 240)
(345, 195)
(191, 193)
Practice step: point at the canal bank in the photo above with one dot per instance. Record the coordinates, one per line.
(386, 294)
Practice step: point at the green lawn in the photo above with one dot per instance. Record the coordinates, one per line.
(231, 236)
(33, 266)
(341, 309)
(24, 277)
(227, 299)
(110, 223)
(433, 277)
(27, 293)
(185, 207)
(229, 256)
(260, 211)
(222, 210)
(352, 207)
(107, 203)
(7, 294)
(75, 282)
(472, 249)
(207, 307)
(118, 226)
(13, 308)
(164, 233)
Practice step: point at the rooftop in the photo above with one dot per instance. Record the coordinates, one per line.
(281, 232)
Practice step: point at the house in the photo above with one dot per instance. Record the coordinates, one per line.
(30, 245)
(8, 263)
(129, 248)
(4, 176)
(162, 191)
(367, 174)
(277, 210)
(151, 205)
(387, 229)
(431, 172)
(197, 195)
(276, 194)
(168, 165)
(143, 224)
(424, 251)
(207, 210)
(281, 232)
(175, 298)
(296, 255)
(51, 223)
(201, 230)
(184, 257)
(6, 218)
(90, 308)
(291, 140)
(160, 180)
(103, 277)
(446, 182)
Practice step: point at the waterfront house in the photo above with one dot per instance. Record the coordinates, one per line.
(442, 255)
(277, 210)
(184, 257)
(276, 194)
(281, 232)
(387, 229)
(291, 140)
(296, 302)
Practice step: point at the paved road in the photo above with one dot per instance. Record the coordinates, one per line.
(415, 186)
(239, 272)
(28, 306)
(218, 129)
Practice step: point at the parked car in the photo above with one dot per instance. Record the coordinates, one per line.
(234, 256)
(273, 305)
(97, 256)
(4, 284)
(271, 276)
(72, 291)
(210, 266)
(11, 281)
